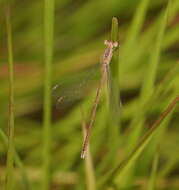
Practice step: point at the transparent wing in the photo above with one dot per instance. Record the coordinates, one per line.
(113, 95)
(75, 87)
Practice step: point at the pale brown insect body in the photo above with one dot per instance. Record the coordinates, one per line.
(107, 56)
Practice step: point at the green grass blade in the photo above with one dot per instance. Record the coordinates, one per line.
(113, 99)
(152, 180)
(18, 162)
(89, 168)
(148, 85)
(114, 80)
(133, 34)
(128, 162)
(48, 32)
(10, 152)
(147, 89)
(169, 166)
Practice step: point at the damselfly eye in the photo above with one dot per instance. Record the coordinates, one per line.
(106, 42)
(115, 44)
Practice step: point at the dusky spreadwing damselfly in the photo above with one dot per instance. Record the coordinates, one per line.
(105, 78)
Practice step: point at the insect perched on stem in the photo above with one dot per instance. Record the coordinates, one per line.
(106, 59)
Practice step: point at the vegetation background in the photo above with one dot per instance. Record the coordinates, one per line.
(44, 43)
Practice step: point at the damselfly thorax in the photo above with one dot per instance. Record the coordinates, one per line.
(108, 52)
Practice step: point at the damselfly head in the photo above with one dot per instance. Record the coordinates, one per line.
(106, 42)
(110, 44)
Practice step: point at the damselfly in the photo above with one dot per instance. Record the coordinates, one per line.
(105, 78)
(105, 74)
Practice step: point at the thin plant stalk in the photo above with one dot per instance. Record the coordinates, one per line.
(146, 93)
(153, 177)
(48, 35)
(113, 80)
(148, 84)
(126, 163)
(17, 161)
(89, 169)
(10, 151)
(133, 34)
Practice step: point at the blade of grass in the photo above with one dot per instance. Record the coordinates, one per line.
(48, 35)
(158, 138)
(89, 169)
(152, 180)
(10, 152)
(128, 162)
(18, 161)
(146, 91)
(154, 144)
(148, 85)
(159, 91)
(133, 33)
(170, 165)
(114, 67)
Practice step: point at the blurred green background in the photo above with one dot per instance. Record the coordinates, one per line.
(148, 79)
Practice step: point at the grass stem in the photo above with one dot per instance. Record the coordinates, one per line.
(126, 163)
(48, 35)
(89, 169)
(10, 152)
